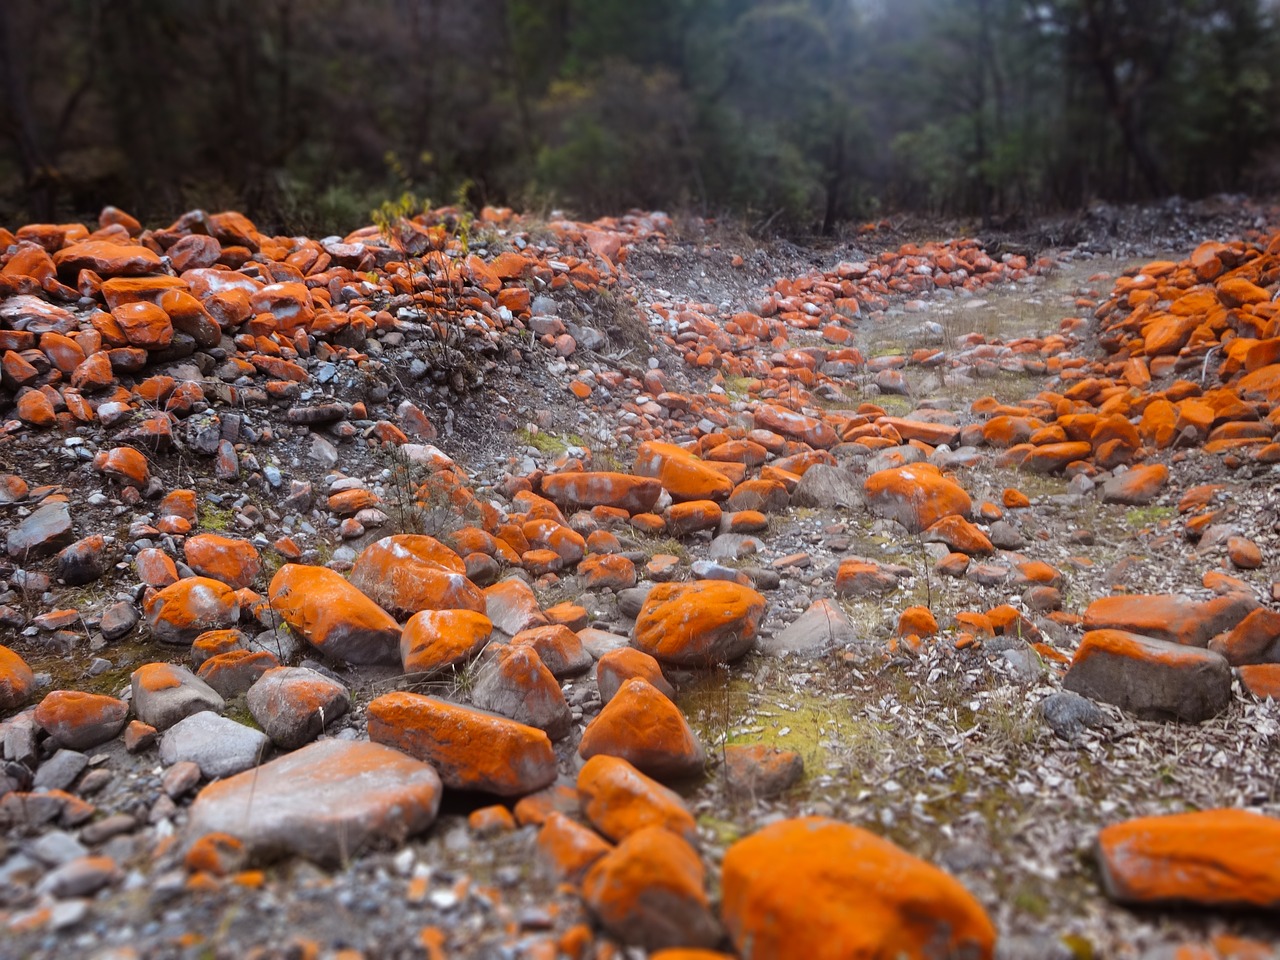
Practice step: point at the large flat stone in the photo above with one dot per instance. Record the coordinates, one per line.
(325, 802)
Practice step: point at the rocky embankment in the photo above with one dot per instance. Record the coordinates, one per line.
(456, 589)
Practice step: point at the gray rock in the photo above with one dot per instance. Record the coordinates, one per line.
(56, 848)
(630, 601)
(164, 693)
(1152, 679)
(710, 570)
(1005, 536)
(824, 486)
(514, 682)
(118, 619)
(599, 642)
(326, 802)
(1024, 662)
(734, 546)
(293, 704)
(82, 877)
(823, 626)
(1069, 714)
(46, 531)
(220, 747)
(60, 770)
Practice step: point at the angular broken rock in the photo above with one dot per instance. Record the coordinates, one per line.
(820, 628)
(1169, 616)
(643, 727)
(164, 693)
(513, 681)
(824, 486)
(326, 803)
(219, 746)
(293, 704)
(1152, 679)
(45, 532)
(470, 749)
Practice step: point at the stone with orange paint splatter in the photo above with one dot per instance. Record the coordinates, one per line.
(823, 890)
(325, 802)
(233, 561)
(558, 647)
(333, 616)
(619, 800)
(293, 705)
(182, 611)
(471, 749)
(16, 680)
(644, 727)
(407, 573)
(650, 891)
(1210, 858)
(698, 624)
(568, 848)
(618, 666)
(1153, 679)
(916, 495)
(437, 640)
(164, 693)
(582, 491)
(79, 720)
(1168, 616)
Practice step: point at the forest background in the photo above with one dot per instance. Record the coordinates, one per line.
(785, 115)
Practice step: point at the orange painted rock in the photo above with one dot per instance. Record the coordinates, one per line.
(293, 704)
(1153, 679)
(650, 891)
(1168, 616)
(619, 800)
(796, 426)
(470, 749)
(582, 491)
(514, 682)
(1255, 639)
(123, 464)
(960, 535)
(682, 474)
(333, 616)
(106, 259)
(642, 726)
(698, 624)
(436, 640)
(606, 571)
(917, 496)
(234, 562)
(144, 325)
(167, 693)
(824, 890)
(759, 770)
(568, 848)
(1136, 486)
(558, 647)
(692, 516)
(1262, 680)
(182, 611)
(16, 680)
(618, 666)
(1213, 858)
(512, 606)
(408, 573)
(79, 720)
(326, 802)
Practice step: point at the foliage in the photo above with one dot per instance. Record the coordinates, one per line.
(791, 114)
